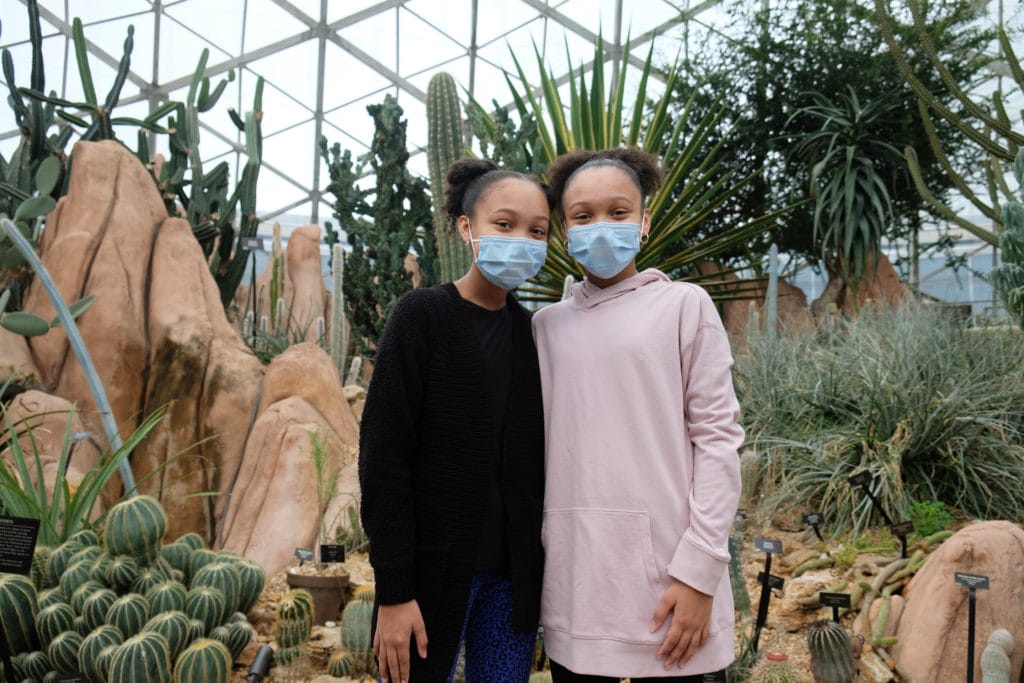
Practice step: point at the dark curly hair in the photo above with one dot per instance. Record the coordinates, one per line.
(468, 179)
(642, 168)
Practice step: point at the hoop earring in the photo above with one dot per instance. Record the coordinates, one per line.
(643, 240)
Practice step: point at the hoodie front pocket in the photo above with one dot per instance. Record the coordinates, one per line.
(600, 577)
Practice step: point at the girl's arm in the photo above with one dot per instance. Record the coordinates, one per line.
(387, 446)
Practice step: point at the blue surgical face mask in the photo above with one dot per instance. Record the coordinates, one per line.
(604, 249)
(509, 261)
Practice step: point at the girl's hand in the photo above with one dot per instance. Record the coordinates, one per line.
(395, 625)
(691, 620)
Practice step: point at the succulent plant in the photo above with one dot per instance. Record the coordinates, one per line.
(192, 540)
(129, 613)
(121, 572)
(235, 635)
(18, 609)
(40, 570)
(174, 627)
(75, 576)
(253, 579)
(176, 554)
(295, 620)
(50, 596)
(52, 620)
(207, 605)
(831, 655)
(341, 663)
(84, 537)
(223, 577)
(204, 661)
(168, 596)
(89, 660)
(995, 658)
(96, 606)
(198, 559)
(63, 651)
(35, 665)
(81, 593)
(774, 668)
(143, 658)
(135, 526)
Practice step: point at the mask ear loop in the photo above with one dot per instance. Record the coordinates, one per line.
(644, 237)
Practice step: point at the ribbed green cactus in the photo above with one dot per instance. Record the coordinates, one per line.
(89, 659)
(52, 620)
(223, 577)
(40, 571)
(174, 627)
(341, 663)
(96, 606)
(50, 596)
(74, 576)
(121, 572)
(103, 661)
(84, 537)
(192, 540)
(168, 596)
(141, 659)
(740, 594)
(196, 629)
(774, 668)
(831, 654)
(295, 620)
(35, 665)
(63, 651)
(18, 609)
(339, 331)
(204, 661)
(995, 658)
(444, 146)
(59, 560)
(88, 552)
(198, 559)
(79, 626)
(207, 605)
(253, 579)
(98, 572)
(129, 613)
(135, 526)
(236, 636)
(177, 555)
(1008, 278)
(146, 580)
(355, 627)
(82, 593)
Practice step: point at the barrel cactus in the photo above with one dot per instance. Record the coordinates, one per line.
(51, 596)
(59, 560)
(192, 540)
(88, 552)
(204, 661)
(84, 537)
(18, 610)
(224, 578)
(63, 651)
(89, 659)
(81, 593)
(146, 580)
(143, 658)
(341, 663)
(96, 606)
(35, 665)
(252, 580)
(53, 620)
(774, 668)
(295, 620)
(355, 628)
(135, 526)
(174, 627)
(121, 572)
(75, 576)
(177, 554)
(198, 559)
(207, 605)
(129, 613)
(168, 596)
(831, 653)
(235, 636)
(444, 146)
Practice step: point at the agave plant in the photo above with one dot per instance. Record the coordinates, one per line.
(853, 206)
(595, 117)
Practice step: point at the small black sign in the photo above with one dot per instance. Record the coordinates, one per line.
(971, 580)
(776, 582)
(834, 599)
(332, 552)
(766, 545)
(71, 678)
(252, 243)
(904, 528)
(304, 554)
(17, 544)
(716, 677)
(861, 479)
(814, 519)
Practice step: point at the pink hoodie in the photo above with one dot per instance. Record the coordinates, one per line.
(642, 477)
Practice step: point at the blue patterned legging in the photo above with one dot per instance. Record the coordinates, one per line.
(495, 653)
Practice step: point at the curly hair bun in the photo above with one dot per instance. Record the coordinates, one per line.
(461, 175)
(642, 168)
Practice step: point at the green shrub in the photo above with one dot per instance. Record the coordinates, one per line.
(932, 409)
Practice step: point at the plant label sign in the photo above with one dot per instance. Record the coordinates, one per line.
(971, 581)
(835, 599)
(776, 582)
(904, 528)
(252, 243)
(814, 519)
(17, 544)
(767, 545)
(332, 552)
(304, 554)
(717, 677)
(861, 479)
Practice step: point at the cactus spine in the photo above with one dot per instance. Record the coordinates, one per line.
(168, 596)
(63, 651)
(774, 668)
(223, 577)
(89, 654)
(339, 332)
(174, 627)
(207, 605)
(204, 661)
(141, 659)
(121, 572)
(136, 527)
(18, 609)
(831, 655)
(129, 613)
(96, 606)
(53, 620)
(444, 146)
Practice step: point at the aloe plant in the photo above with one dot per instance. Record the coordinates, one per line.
(596, 117)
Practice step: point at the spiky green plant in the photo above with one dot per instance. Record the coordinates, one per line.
(89, 654)
(253, 578)
(593, 118)
(173, 625)
(96, 606)
(445, 146)
(225, 579)
(831, 654)
(235, 635)
(204, 661)
(136, 527)
(206, 605)
(143, 658)
(129, 613)
(53, 620)
(63, 651)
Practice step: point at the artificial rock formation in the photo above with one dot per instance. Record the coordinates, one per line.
(932, 630)
(883, 289)
(159, 338)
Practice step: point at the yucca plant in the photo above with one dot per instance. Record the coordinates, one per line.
(597, 117)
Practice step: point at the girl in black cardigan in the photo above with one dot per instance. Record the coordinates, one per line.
(452, 450)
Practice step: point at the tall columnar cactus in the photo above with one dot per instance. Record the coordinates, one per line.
(831, 654)
(204, 661)
(740, 594)
(174, 627)
(141, 659)
(63, 651)
(1008, 279)
(18, 609)
(339, 330)
(89, 654)
(295, 620)
(444, 146)
(40, 571)
(136, 527)
(995, 659)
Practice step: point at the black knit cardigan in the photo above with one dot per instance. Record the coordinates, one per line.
(427, 446)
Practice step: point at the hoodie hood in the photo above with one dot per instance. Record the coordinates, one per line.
(588, 295)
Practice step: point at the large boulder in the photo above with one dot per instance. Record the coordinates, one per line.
(883, 289)
(932, 631)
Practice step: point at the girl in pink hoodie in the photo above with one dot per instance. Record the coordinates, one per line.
(642, 440)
